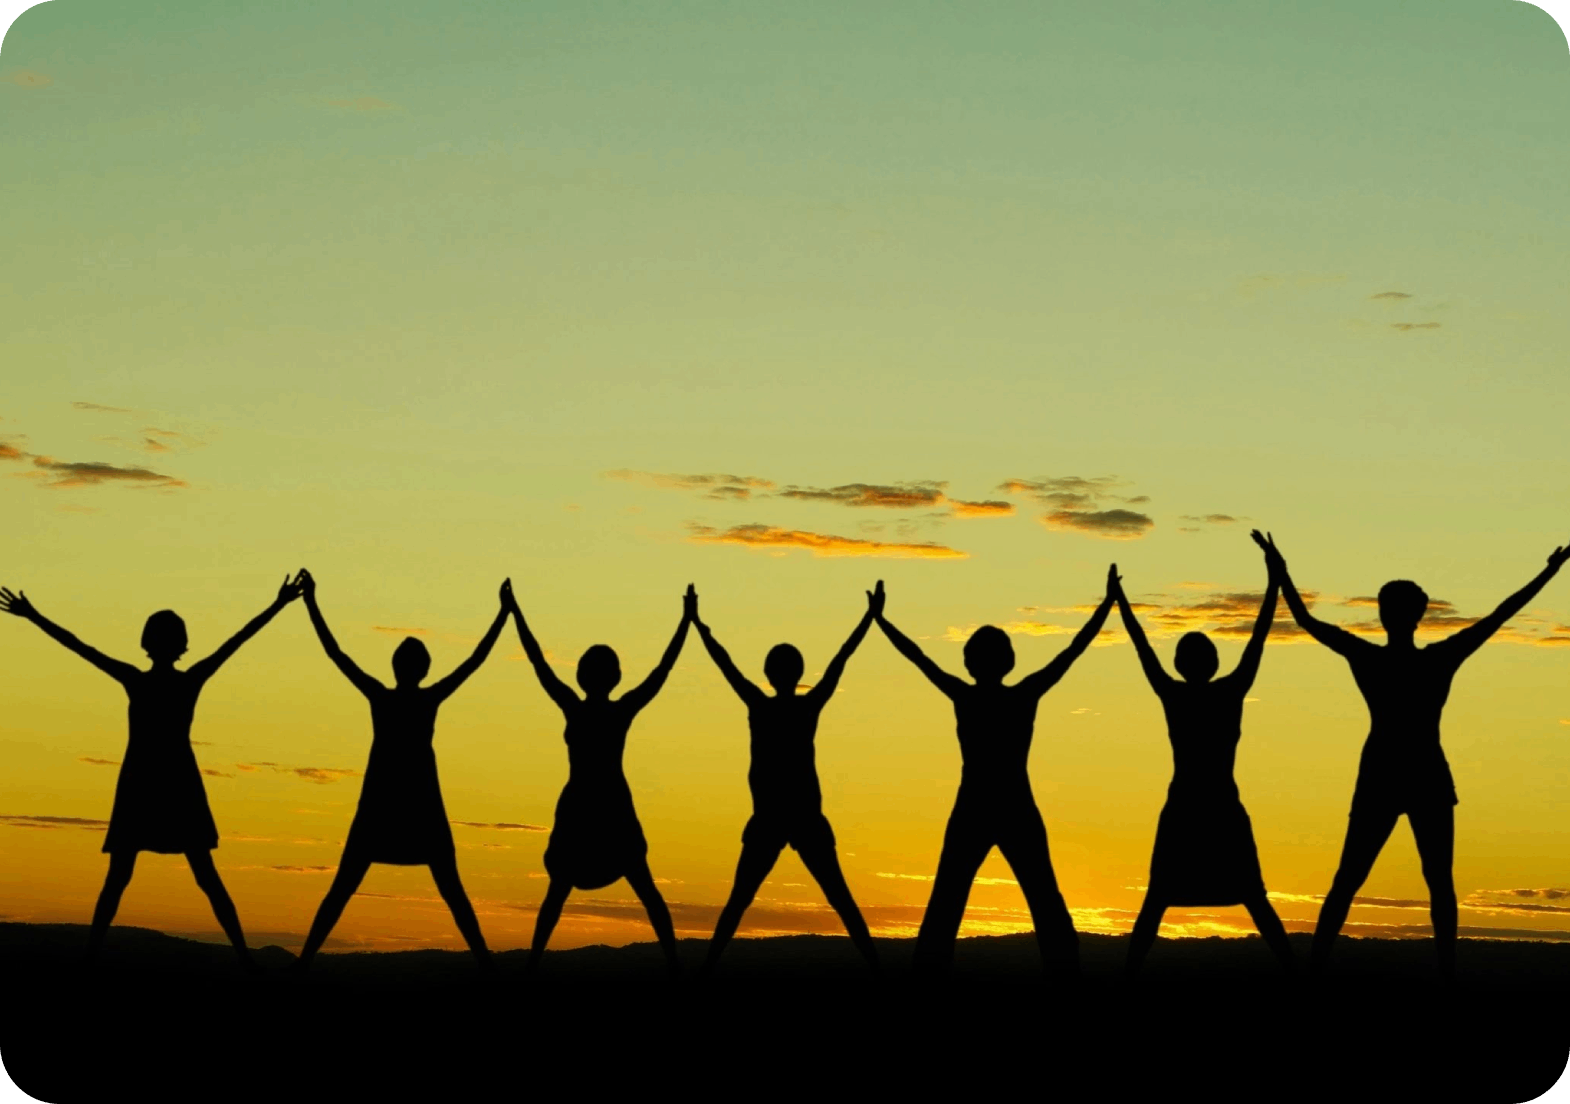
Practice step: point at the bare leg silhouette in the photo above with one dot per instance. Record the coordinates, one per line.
(642, 883)
(351, 872)
(448, 884)
(964, 848)
(1434, 829)
(545, 920)
(754, 865)
(1027, 853)
(824, 866)
(217, 896)
(121, 865)
(1365, 836)
(1272, 931)
(1146, 927)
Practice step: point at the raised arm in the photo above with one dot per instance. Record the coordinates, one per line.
(1045, 679)
(444, 687)
(745, 688)
(824, 690)
(1155, 674)
(1248, 667)
(951, 685)
(642, 694)
(206, 668)
(1331, 636)
(18, 605)
(558, 691)
(1471, 638)
(363, 682)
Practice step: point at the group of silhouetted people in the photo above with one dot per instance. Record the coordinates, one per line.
(1204, 852)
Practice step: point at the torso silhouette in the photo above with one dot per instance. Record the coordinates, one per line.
(783, 776)
(160, 803)
(596, 835)
(401, 818)
(1204, 725)
(995, 724)
(1405, 688)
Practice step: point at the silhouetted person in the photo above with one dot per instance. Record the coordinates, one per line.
(160, 803)
(1204, 853)
(995, 806)
(596, 837)
(787, 803)
(401, 819)
(1403, 768)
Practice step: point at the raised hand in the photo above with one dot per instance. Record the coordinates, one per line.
(16, 603)
(875, 599)
(290, 590)
(307, 584)
(1558, 556)
(689, 604)
(1114, 581)
(509, 603)
(1274, 561)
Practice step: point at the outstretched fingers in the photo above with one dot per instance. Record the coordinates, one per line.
(16, 602)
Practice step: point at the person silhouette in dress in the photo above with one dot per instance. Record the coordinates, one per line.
(995, 806)
(787, 803)
(1204, 853)
(401, 819)
(1403, 768)
(160, 803)
(596, 838)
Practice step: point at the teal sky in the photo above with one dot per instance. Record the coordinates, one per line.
(407, 279)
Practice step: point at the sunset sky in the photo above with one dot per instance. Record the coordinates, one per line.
(780, 301)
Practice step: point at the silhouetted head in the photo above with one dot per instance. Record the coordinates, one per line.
(1402, 604)
(411, 662)
(989, 655)
(599, 670)
(1196, 659)
(784, 667)
(163, 637)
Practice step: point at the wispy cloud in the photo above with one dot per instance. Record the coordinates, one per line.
(501, 826)
(1405, 327)
(400, 630)
(28, 78)
(95, 761)
(8, 451)
(92, 473)
(102, 408)
(18, 821)
(1390, 295)
(895, 496)
(984, 508)
(1079, 504)
(319, 775)
(819, 544)
(715, 485)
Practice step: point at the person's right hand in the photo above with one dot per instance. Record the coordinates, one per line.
(1274, 560)
(1114, 581)
(16, 603)
(509, 603)
(307, 583)
(689, 604)
(875, 600)
(1558, 556)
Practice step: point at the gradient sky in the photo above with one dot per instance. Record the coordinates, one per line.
(422, 297)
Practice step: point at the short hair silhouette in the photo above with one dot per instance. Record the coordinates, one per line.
(163, 637)
(1196, 659)
(1402, 604)
(989, 654)
(783, 667)
(411, 662)
(599, 669)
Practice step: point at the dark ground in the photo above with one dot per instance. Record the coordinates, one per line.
(167, 1018)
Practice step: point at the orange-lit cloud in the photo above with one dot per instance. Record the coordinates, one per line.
(211, 773)
(819, 544)
(501, 826)
(97, 762)
(717, 485)
(86, 824)
(69, 473)
(896, 496)
(985, 508)
(1407, 326)
(1080, 505)
(400, 630)
(9, 451)
(27, 78)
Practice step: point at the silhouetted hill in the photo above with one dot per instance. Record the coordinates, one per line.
(177, 1019)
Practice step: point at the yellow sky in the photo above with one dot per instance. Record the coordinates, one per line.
(975, 306)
